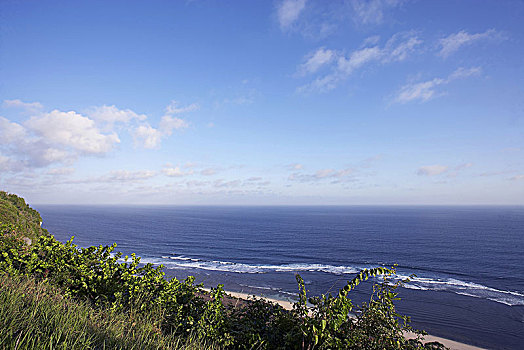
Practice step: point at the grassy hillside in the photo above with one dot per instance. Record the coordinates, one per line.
(36, 315)
(15, 211)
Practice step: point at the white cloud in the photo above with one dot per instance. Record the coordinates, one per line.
(244, 96)
(196, 183)
(27, 150)
(323, 174)
(372, 40)
(432, 170)
(10, 165)
(254, 178)
(146, 136)
(400, 46)
(28, 106)
(54, 137)
(208, 172)
(454, 42)
(322, 84)
(457, 169)
(126, 176)
(322, 18)
(168, 123)
(463, 166)
(314, 61)
(358, 58)
(420, 91)
(397, 48)
(426, 90)
(11, 132)
(174, 108)
(372, 11)
(114, 177)
(343, 173)
(149, 137)
(368, 162)
(51, 155)
(228, 184)
(288, 12)
(175, 172)
(110, 115)
(496, 173)
(60, 171)
(517, 177)
(71, 129)
(461, 73)
(4, 161)
(320, 174)
(296, 166)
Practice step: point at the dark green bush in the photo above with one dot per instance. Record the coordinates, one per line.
(96, 274)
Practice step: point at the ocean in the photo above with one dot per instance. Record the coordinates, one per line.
(468, 261)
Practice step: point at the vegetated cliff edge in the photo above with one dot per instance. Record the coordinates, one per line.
(15, 210)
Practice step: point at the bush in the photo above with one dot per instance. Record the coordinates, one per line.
(95, 274)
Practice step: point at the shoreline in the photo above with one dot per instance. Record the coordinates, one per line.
(451, 344)
(471, 315)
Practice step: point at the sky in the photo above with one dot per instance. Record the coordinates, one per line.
(288, 102)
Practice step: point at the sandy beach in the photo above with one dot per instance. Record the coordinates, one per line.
(453, 345)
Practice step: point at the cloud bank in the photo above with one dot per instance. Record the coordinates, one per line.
(62, 137)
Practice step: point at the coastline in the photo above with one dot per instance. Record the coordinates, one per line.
(451, 344)
(467, 307)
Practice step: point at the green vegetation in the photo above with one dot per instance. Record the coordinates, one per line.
(61, 296)
(14, 209)
(36, 315)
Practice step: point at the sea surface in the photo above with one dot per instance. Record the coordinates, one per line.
(468, 261)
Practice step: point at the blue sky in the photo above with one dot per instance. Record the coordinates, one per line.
(262, 102)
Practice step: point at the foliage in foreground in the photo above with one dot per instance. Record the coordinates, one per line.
(35, 315)
(175, 309)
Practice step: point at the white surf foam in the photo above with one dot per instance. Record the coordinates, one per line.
(182, 262)
(470, 289)
(422, 283)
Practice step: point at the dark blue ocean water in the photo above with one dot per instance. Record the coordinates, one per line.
(468, 260)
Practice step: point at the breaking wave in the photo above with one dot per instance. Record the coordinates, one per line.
(444, 284)
(182, 262)
(469, 289)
